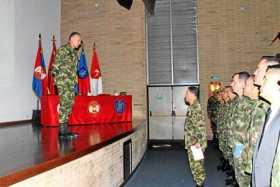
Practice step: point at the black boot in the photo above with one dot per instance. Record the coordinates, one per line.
(223, 165)
(226, 166)
(65, 134)
(229, 182)
(230, 173)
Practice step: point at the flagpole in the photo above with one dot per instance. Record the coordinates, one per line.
(36, 113)
(53, 38)
(38, 100)
(82, 45)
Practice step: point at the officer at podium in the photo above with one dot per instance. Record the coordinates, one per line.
(65, 78)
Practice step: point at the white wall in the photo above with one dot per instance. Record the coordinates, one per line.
(21, 22)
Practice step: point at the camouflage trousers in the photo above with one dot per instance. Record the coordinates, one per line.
(197, 168)
(67, 95)
(242, 179)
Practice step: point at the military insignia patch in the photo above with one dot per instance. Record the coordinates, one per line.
(93, 107)
(119, 106)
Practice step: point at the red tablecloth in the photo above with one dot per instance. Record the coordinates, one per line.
(89, 110)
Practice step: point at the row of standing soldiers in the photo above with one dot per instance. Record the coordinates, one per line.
(238, 115)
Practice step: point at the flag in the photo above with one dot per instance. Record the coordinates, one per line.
(40, 82)
(95, 75)
(83, 75)
(51, 86)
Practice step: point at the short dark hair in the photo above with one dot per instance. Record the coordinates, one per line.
(243, 75)
(272, 59)
(275, 66)
(229, 87)
(194, 90)
(267, 57)
(277, 55)
(73, 34)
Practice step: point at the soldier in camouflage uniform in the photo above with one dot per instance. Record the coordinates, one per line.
(228, 128)
(212, 109)
(226, 121)
(223, 111)
(259, 114)
(260, 108)
(65, 78)
(195, 134)
(238, 126)
(266, 154)
(219, 115)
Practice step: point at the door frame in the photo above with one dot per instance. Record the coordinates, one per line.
(151, 141)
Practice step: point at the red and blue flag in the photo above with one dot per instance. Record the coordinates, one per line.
(40, 81)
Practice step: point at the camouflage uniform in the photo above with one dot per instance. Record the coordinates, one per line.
(254, 131)
(65, 78)
(275, 177)
(240, 125)
(195, 132)
(213, 108)
(221, 129)
(228, 128)
(219, 114)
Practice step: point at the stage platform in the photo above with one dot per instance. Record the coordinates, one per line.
(28, 150)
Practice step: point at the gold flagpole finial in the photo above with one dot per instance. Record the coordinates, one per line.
(82, 44)
(53, 38)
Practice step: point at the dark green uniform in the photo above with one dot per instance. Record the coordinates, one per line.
(195, 132)
(65, 78)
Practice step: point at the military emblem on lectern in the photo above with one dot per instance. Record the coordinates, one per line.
(119, 106)
(93, 107)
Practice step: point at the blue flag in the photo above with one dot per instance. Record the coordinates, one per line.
(83, 75)
(82, 66)
(39, 83)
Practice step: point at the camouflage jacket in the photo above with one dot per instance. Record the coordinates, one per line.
(212, 108)
(65, 67)
(230, 118)
(241, 121)
(225, 121)
(221, 120)
(195, 129)
(254, 130)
